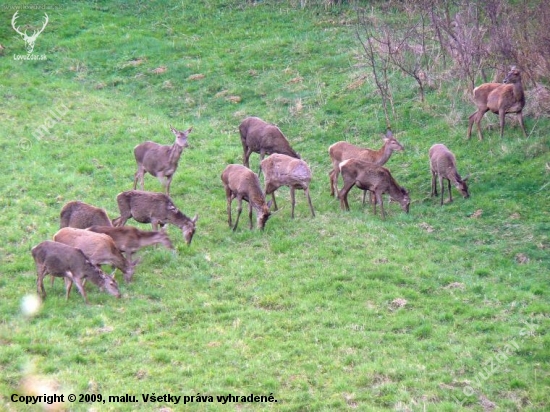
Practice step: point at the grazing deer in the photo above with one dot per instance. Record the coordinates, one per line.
(377, 179)
(100, 249)
(155, 208)
(243, 184)
(129, 239)
(58, 259)
(29, 40)
(159, 160)
(341, 151)
(499, 98)
(282, 170)
(260, 137)
(82, 215)
(443, 164)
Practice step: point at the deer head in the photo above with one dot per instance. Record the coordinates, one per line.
(29, 40)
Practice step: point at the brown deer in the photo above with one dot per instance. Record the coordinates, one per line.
(377, 179)
(58, 259)
(158, 160)
(443, 164)
(100, 249)
(243, 184)
(282, 170)
(499, 98)
(129, 239)
(341, 151)
(82, 215)
(155, 208)
(260, 137)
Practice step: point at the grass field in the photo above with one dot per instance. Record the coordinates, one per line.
(442, 309)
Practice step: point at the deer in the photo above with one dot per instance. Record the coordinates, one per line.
(499, 98)
(443, 165)
(29, 40)
(264, 138)
(282, 170)
(60, 260)
(243, 184)
(100, 249)
(158, 160)
(155, 208)
(341, 151)
(82, 215)
(129, 239)
(369, 176)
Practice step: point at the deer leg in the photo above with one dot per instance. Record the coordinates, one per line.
(247, 151)
(306, 191)
(502, 120)
(335, 175)
(80, 288)
(450, 192)
(442, 188)
(274, 202)
(471, 120)
(331, 185)
(229, 198)
(520, 119)
(478, 123)
(168, 182)
(239, 210)
(41, 272)
(343, 195)
(68, 286)
(380, 199)
(434, 185)
(250, 213)
(138, 176)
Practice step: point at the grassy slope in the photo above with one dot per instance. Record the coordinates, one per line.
(303, 310)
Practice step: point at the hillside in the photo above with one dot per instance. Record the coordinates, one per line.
(441, 309)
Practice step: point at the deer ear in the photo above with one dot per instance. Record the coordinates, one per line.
(189, 130)
(194, 220)
(269, 204)
(466, 178)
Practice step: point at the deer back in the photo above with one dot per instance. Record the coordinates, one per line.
(282, 170)
(82, 215)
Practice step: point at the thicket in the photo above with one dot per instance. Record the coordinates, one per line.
(456, 44)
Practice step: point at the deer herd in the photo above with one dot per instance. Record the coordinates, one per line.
(88, 238)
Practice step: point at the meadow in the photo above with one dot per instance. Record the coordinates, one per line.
(442, 309)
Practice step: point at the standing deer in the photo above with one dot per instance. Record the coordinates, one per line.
(129, 239)
(159, 160)
(243, 184)
(29, 40)
(443, 164)
(154, 208)
(58, 259)
(82, 215)
(282, 170)
(100, 249)
(341, 151)
(499, 98)
(377, 179)
(260, 137)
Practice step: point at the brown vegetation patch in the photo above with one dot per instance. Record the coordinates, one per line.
(522, 258)
(455, 285)
(234, 99)
(197, 76)
(476, 214)
(160, 70)
(398, 303)
(357, 83)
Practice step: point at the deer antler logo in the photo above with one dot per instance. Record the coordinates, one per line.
(29, 40)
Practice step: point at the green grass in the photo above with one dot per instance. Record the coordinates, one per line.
(435, 310)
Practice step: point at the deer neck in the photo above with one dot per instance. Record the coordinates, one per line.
(383, 154)
(175, 152)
